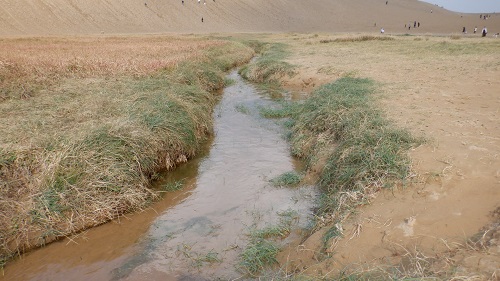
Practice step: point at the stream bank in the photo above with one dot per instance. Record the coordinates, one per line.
(197, 232)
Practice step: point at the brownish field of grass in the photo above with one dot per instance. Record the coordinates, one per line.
(41, 62)
(85, 123)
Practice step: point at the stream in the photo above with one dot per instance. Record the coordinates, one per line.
(198, 232)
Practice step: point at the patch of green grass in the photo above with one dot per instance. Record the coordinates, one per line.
(369, 150)
(263, 247)
(269, 66)
(228, 82)
(198, 259)
(242, 109)
(281, 110)
(256, 45)
(210, 257)
(333, 232)
(6, 158)
(276, 231)
(50, 201)
(258, 255)
(172, 186)
(339, 125)
(287, 179)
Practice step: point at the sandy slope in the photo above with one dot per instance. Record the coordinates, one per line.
(63, 17)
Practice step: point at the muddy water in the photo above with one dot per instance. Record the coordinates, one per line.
(196, 233)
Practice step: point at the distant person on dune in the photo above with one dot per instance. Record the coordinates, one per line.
(382, 30)
(463, 30)
(475, 29)
(485, 31)
(386, 2)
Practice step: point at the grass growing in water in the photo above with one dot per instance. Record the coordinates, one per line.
(263, 246)
(287, 179)
(258, 255)
(172, 186)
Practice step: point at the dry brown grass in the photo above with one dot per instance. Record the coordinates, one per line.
(104, 115)
(28, 65)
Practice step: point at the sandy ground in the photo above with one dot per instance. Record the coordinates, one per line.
(445, 90)
(74, 17)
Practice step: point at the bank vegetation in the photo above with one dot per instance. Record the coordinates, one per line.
(87, 123)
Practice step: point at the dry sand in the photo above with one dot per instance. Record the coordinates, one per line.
(69, 17)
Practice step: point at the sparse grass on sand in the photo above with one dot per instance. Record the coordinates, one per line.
(394, 64)
(357, 39)
(340, 133)
(86, 122)
(344, 138)
(263, 246)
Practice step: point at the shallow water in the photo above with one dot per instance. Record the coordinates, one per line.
(196, 233)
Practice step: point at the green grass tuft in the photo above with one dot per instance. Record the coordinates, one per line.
(258, 255)
(358, 148)
(263, 247)
(287, 179)
(172, 186)
(281, 110)
(269, 66)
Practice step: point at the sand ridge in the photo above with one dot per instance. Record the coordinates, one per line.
(78, 17)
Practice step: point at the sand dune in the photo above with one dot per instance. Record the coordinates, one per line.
(67, 17)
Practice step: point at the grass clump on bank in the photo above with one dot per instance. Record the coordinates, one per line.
(269, 66)
(287, 179)
(83, 149)
(349, 142)
(258, 255)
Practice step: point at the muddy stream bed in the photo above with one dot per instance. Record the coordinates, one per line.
(198, 232)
